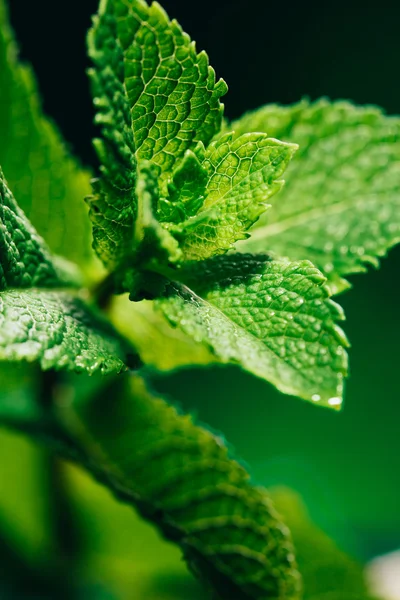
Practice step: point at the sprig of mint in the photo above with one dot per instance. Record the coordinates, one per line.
(180, 222)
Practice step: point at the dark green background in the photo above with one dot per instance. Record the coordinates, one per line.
(346, 465)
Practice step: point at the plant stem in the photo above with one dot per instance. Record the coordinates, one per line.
(103, 291)
(65, 534)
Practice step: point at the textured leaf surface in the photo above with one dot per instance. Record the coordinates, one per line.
(150, 236)
(172, 90)
(36, 324)
(113, 206)
(24, 259)
(341, 205)
(274, 318)
(186, 190)
(49, 184)
(57, 330)
(182, 477)
(243, 174)
(155, 99)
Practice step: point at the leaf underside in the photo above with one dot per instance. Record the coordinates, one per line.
(182, 477)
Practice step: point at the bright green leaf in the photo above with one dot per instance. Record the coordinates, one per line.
(155, 99)
(182, 478)
(49, 184)
(186, 190)
(341, 204)
(54, 328)
(243, 174)
(151, 243)
(274, 318)
(59, 331)
(113, 206)
(172, 90)
(151, 238)
(24, 259)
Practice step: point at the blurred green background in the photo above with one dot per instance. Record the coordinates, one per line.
(347, 465)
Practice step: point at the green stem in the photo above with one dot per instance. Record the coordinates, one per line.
(65, 534)
(103, 291)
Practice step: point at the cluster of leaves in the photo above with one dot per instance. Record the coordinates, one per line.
(178, 195)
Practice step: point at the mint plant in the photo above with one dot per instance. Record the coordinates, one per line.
(182, 223)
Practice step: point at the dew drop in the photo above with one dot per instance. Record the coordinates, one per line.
(336, 401)
(316, 398)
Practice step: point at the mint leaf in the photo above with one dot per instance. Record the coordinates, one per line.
(341, 205)
(274, 318)
(155, 99)
(150, 236)
(183, 478)
(243, 174)
(57, 330)
(54, 328)
(186, 190)
(49, 184)
(151, 243)
(113, 206)
(172, 90)
(24, 259)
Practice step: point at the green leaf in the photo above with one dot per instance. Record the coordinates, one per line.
(24, 259)
(243, 174)
(341, 205)
(113, 206)
(172, 90)
(49, 184)
(59, 331)
(155, 99)
(151, 243)
(182, 478)
(117, 538)
(274, 318)
(186, 190)
(52, 327)
(151, 239)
